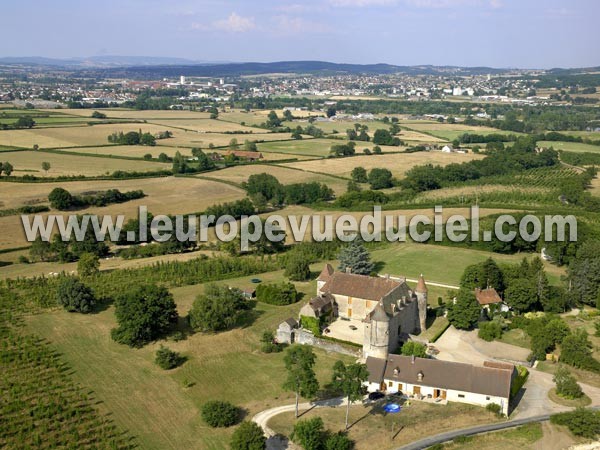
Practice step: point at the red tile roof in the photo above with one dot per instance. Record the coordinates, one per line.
(487, 296)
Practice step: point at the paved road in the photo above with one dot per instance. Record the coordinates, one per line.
(433, 283)
(276, 442)
(450, 435)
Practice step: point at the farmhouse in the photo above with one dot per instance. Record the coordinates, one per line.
(383, 310)
(442, 380)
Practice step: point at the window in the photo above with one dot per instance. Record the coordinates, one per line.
(487, 397)
(349, 300)
(461, 395)
(390, 383)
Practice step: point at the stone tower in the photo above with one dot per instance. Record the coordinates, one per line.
(421, 293)
(376, 341)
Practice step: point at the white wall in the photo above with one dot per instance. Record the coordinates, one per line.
(451, 395)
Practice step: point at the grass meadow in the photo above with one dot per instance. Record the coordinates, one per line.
(226, 366)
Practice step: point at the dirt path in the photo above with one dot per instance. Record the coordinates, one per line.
(553, 439)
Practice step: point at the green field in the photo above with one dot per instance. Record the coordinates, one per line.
(570, 146)
(439, 263)
(155, 405)
(304, 147)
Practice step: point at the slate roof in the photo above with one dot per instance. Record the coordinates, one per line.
(317, 303)
(376, 368)
(444, 375)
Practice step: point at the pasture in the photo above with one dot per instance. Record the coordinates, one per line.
(452, 131)
(397, 163)
(441, 263)
(30, 162)
(570, 146)
(226, 366)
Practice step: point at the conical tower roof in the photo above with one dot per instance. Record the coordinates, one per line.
(421, 286)
(379, 313)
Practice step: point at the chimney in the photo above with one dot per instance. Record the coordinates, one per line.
(412, 359)
(348, 269)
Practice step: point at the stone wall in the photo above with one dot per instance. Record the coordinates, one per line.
(306, 337)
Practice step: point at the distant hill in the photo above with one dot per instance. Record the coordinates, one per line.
(152, 67)
(296, 67)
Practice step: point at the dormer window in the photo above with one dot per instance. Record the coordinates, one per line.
(420, 376)
(396, 371)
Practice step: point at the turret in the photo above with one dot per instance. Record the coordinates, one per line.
(421, 293)
(377, 333)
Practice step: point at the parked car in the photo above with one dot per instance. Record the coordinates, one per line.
(376, 395)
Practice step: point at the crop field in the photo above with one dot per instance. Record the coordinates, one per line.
(226, 366)
(204, 140)
(131, 151)
(208, 125)
(397, 163)
(73, 136)
(133, 114)
(471, 191)
(570, 146)
(452, 131)
(53, 120)
(168, 195)
(257, 117)
(30, 162)
(305, 147)
(285, 175)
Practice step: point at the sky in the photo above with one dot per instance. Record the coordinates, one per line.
(495, 33)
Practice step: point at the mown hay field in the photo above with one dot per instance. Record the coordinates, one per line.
(450, 131)
(131, 151)
(191, 139)
(168, 195)
(73, 136)
(318, 147)
(122, 113)
(208, 125)
(397, 163)
(285, 175)
(30, 162)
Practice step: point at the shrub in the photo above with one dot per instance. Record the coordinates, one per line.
(277, 293)
(75, 296)
(297, 268)
(494, 408)
(217, 413)
(581, 422)
(411, 348)
(566, 385)
(248, 436)
(309, 433)
(218, 309)
(167, 358)
(338, 441)
(488, 331)
(312, 324)
(268, 343)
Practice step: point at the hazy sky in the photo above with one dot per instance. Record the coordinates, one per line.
(499, 33)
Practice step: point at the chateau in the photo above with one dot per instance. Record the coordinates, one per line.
(385, 308)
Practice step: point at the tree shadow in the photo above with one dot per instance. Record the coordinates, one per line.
(378, 266)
